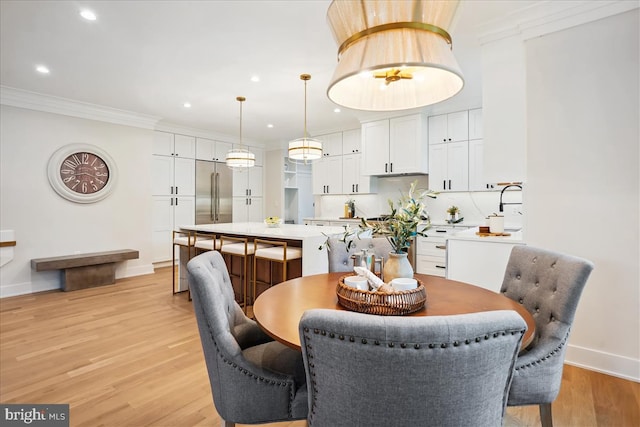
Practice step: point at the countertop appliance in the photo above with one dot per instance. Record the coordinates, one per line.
(214, 192)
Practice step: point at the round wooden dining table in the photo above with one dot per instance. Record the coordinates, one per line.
(278, 309)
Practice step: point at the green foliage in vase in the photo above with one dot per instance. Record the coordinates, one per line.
(402, 225)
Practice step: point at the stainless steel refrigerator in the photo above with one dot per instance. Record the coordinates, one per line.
(214, 191)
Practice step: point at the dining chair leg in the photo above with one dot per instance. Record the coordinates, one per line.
(229, 424)
(545, 415)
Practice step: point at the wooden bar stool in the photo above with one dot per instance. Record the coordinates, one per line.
(182, 239)
(279, 252)
(244, 249)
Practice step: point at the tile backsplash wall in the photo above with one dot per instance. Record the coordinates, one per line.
(474, 206)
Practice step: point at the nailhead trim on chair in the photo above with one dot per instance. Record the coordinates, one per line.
(288, 384)
(364, 341)
(548, 356)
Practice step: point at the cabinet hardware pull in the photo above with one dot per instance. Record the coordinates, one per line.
(176, 189)
(441, 247)
(176, 201)
(357, 190)
(441, 231)
(391, 167)
(449, 184)
(171, 201)
(385, 168)
(172, 189)
(352, 188)
(441, 266)
(444, 184)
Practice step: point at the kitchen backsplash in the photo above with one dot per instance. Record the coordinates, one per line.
(474, 206)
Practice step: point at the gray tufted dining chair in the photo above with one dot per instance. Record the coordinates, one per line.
(253, 378)
(549, 285)
(340, 257)
(388, 371)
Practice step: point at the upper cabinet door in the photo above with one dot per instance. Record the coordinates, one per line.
(163, 143)
(438, 132)
(375, 147)
(205, 149)
(458, 126)
(351, 140)
(331, 144)
(220, 151)
(408, 151)
(185, 146)
(451, 127)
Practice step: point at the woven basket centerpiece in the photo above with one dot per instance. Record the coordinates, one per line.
(386, 304)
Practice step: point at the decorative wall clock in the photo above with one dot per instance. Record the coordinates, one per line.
(82, 173)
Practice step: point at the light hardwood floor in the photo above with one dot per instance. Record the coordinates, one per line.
(129, 355)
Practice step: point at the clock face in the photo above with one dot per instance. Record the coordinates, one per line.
(84, 172)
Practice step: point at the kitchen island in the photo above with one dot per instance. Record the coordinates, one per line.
(308, 237)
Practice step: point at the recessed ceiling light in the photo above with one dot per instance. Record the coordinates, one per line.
(336, 110)
(255, 78)
(187, 105)
(269, 125)
(88, 15)
(42, 69)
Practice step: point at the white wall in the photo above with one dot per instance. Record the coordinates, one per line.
(47, 225)
(583, 183)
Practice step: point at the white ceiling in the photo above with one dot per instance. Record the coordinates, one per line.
(150, 57)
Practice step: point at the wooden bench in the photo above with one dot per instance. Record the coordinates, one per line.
(85, 270)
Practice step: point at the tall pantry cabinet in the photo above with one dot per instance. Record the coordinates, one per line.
(173, 189)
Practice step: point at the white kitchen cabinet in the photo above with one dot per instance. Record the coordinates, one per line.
(452, 127)
(375, 147)
(169, 144)
(480, 263)
(449, 166)
(208, 149)
(247, 195)
(331, 144)
(327, 175)
(351, 140)
(395, 146)
(172, 187)
(248, 182)
(247, 209)
(173, 176)
(259, 154)
(431, 251)
(353, 182)
(477, 180)
(169, 213)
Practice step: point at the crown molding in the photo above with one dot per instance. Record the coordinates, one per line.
(68, 107)
(549, 16)
(165, 126)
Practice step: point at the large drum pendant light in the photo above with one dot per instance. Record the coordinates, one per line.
(393, 54)
(305, 148)
(240, 158)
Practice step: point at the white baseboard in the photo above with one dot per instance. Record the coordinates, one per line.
(603, 362)
(51, 280)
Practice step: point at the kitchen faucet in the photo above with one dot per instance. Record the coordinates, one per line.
(502, 192)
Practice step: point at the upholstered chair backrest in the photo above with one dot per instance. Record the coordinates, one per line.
(340, 258)
(243, 363)
(549, 285)
(366, 370)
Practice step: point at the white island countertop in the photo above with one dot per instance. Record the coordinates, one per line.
(314, 260)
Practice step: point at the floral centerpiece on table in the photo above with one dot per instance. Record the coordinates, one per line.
(402, 224)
